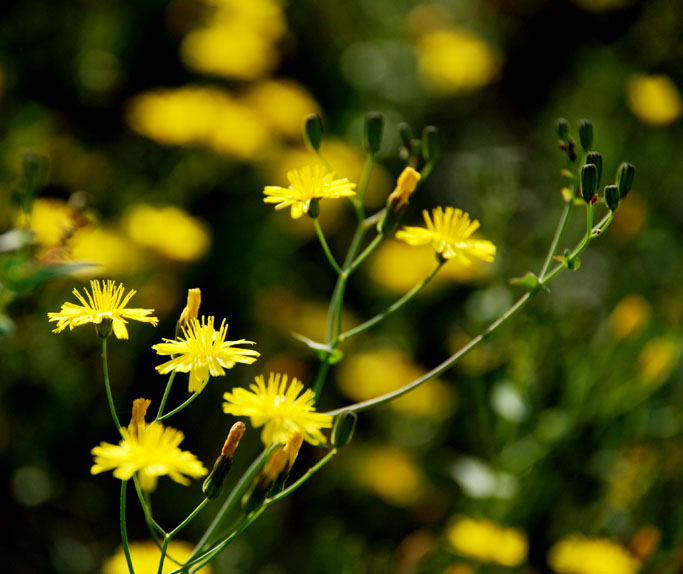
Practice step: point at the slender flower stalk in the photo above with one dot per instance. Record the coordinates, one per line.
(203, 351)
(106, 303)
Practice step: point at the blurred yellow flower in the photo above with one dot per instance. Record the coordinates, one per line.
(203, 351)
(631, 217)
(369, 374)
(657, 359)
(281, 407)
(282, 104)
(110, 251)
(169, 230)
(50, 219)
(654, 100)
(456, 60)
(306, 184)
(487, 542)
(201, 116)
(107, 303)
(391, 474)
(629, 316)
(449, 232)
(150, 450)
(145, 556)
(237, 40)
(579, 555)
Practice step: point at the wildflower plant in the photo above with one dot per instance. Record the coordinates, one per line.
(283, 407)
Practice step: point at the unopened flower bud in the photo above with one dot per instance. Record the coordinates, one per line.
(431, 144)
(374, 128)
(562, 128)
(344, 426)
(405, 133)
(265, 480)
(595, 157)
(612, 197)
(398, 199)
(191, 310)
(625, 175)
(214, 482)
(586, 134)
(291, 450)
(589, 181)
(313, 132)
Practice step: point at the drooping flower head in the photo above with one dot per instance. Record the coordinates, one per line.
(450, 232)
(203, 351)
(151, 450)
(280, 408)
(106, 303)
(306, 184)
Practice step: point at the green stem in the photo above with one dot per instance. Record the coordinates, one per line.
(587, 237)
(151, 523)
(326, 247)
(124, 532)
(107, 386)
(559, 231)
(320, 378)
(393, 308)
(167, 391)
(186, 403)
(363, 256)
(309, 473)
(177, 529)
(363, 186)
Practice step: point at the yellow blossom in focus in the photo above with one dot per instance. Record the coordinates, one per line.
(487, 542)
(306, 184)
(629, 316)
(237, 40)
(391, 474)
(656, 361)
(281, 104)
(456, 60)
(579, 555)
(203, 351)
(145, 556)
(150, 451)
(449, 231)
(280, 407)
(197, 115)
(654, 100)
(106, 303)
(370, 374)
(168, 230)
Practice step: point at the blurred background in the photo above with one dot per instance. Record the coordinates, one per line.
(555, 446)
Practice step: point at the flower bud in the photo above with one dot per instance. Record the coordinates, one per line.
(214, 482)
(625, 175)
(562, 129)
(344, 426)
(612, 197)
(405, 133)
(431, 144)
(191, 310)
(256, 494)
(374, 127)
(313, 132)
(589, 181)
(586, 134)
(398, 199)
(595, 157)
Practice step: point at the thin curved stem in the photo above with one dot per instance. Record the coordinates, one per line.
(363, 256)
(151, 523)
(325, 246)
(363, 186)
(167, 391)
(177, 529)
(559, 231)
(124, 531)
(107, 386)
(182, 406)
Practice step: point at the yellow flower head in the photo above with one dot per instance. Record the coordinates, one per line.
(449, 231)
(203, 351)
(149, 450)
(280, 408)
(107, 302)
(487, 542)
(305, 184)
(578, 555)
(145, 556)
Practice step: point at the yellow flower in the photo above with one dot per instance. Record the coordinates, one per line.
(203, 351)
(280, 408)
(306, 184)
(487, 542)
(654, 100)
(579, 555)
(629, 316)
(146, 555)
(149, 450)
(106, 302)
(391, 474)
(449, 231)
